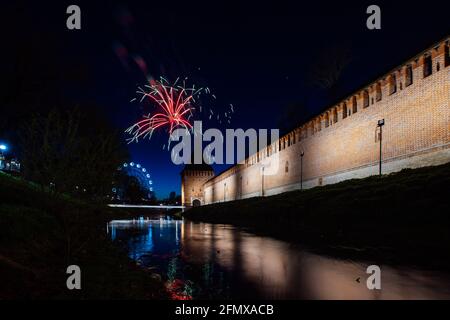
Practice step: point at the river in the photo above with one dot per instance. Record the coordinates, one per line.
(207, 261)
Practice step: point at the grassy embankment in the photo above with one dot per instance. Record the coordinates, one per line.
(42, 233)
(401, 218)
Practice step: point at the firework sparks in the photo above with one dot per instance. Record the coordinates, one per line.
(174, 103)
(174, 108)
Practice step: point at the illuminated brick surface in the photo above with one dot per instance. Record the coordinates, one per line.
(415, 134)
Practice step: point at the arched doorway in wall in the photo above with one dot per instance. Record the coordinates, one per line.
(196, 203)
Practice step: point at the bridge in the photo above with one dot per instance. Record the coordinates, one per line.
(145, 206)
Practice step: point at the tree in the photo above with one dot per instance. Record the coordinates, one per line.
(133, 191)
(71, 151)
(128, 187)
(327, 70)
(292, 116)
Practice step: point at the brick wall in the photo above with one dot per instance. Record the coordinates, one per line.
(416, 133)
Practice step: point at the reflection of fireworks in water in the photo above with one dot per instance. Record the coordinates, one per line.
(175, 104)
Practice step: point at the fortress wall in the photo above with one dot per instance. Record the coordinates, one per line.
(416, 133)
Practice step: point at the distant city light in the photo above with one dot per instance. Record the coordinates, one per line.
(3, 147)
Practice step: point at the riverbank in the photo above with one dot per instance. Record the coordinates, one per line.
(43, 233)
(401, 218)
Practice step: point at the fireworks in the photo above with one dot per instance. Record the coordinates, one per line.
(174, 108)
(174, 104)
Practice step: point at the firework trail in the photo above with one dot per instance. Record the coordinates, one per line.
(175, 108)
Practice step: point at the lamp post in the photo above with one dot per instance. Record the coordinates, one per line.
(302, 153)
(262, 181)
(224, 192)
(380, 125)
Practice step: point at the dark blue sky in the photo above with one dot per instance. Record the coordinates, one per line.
(255, 56)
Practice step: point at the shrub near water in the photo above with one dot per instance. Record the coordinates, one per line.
(41, 234)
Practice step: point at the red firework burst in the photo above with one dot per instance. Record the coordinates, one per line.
(174, 104)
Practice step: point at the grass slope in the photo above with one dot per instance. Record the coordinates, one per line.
(41, 234)
(399, 218)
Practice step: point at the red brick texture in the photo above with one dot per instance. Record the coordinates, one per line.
(416, 133)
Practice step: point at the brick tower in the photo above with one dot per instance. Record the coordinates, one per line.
(193, 177)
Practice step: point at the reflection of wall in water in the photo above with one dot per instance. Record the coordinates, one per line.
(282, 270)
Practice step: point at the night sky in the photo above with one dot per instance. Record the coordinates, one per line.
(255, 56)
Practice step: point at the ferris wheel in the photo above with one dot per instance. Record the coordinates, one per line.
(139, 172)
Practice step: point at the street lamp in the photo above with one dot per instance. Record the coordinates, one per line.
(224, 192)
(302, 153)
(262, 180)
(380, 125)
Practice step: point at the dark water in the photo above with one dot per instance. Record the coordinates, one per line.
(200, 260)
